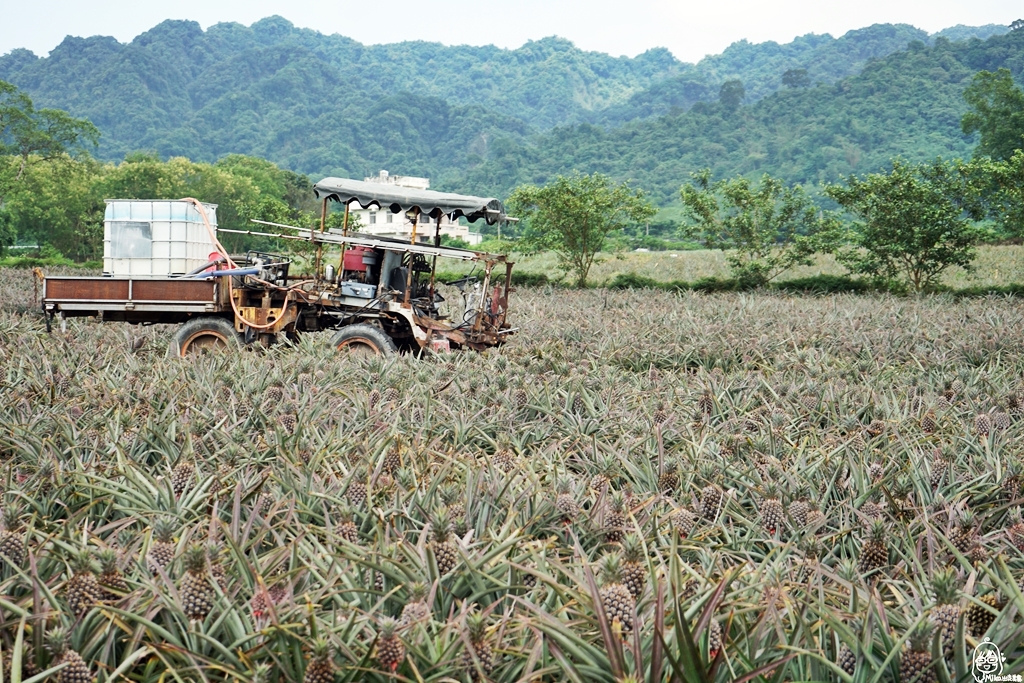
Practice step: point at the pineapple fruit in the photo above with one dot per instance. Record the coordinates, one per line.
(76, 670)
(445, 552)
(390, 649)
(478, 658)
(616, 598)
(320, 667)
(195, 591)
(916, 659)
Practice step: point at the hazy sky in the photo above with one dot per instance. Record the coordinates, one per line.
(689, 29)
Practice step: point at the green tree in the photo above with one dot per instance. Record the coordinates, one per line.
(731, 94)
(55, 203)
(766, 228)
(573, 215)
(1003, 190)
(997, 112)
(30, 137)
(796, 78)
(915, 221)
(40, 134)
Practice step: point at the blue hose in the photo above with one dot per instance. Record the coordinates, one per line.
(226, 273)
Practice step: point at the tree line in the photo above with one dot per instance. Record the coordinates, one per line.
(52, 190)
(903, 227)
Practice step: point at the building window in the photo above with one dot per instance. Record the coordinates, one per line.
(373, 218)
(390, 218)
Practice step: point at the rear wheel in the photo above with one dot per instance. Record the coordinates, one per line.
(363, 340)
(201, 335)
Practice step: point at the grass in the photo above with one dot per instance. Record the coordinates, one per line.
(995, 266)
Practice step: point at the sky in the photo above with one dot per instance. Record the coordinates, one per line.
(689, 29)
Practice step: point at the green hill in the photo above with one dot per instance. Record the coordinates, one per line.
(324, 104)
(908, 104)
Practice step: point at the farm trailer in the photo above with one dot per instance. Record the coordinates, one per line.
(164, 264)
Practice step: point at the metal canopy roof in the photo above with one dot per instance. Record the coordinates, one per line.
(398, 199)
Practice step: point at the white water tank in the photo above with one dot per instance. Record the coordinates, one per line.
(155, 237)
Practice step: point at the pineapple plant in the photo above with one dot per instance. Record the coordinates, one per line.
(393, 459)
(668, 480)
(633, 571)
(519, 399)
(218, 572)
(274, 394)
(939, 467)
(979, 617)
(616, 599)
(565, 502)
(705, 404)
(320, 667)
(799, 508)
(916, 659)
(391, 396)
(416, 609)
(82, 590)
(929, 423)
(161, 549)
(682, 520)
(357, 492)
(711, 496)
(504, 458)
(964, 533)
(1015, 530)
(615, 519)
(982, 424)
(946, 611)
(28, 663)
(815, 517)
(478, 658)
(714, 639)
(181, 477)
(846, 658)
(195, 591)
(772, 512)
(12, 539)
(451, 497)
(390, 650)
(76, 670)
(1011, 482)
(347, 528)
(607, 472)
(445, 552)
(110, 578)
(874, 553)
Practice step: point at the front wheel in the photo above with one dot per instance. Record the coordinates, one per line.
(201, 335)
(363, 340)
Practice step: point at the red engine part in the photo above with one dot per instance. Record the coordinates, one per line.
(354, 259)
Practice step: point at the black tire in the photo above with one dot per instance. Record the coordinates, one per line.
(203, 335)
(364, 339)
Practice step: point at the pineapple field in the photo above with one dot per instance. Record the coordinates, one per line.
(639, 486)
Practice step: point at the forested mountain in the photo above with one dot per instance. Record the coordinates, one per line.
(317, 102)
(762, 66)
(327, 104)
(485, 120)
(908, 104)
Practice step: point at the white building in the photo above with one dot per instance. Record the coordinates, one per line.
(383, 223)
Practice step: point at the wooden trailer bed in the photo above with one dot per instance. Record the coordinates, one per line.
(141, 300)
